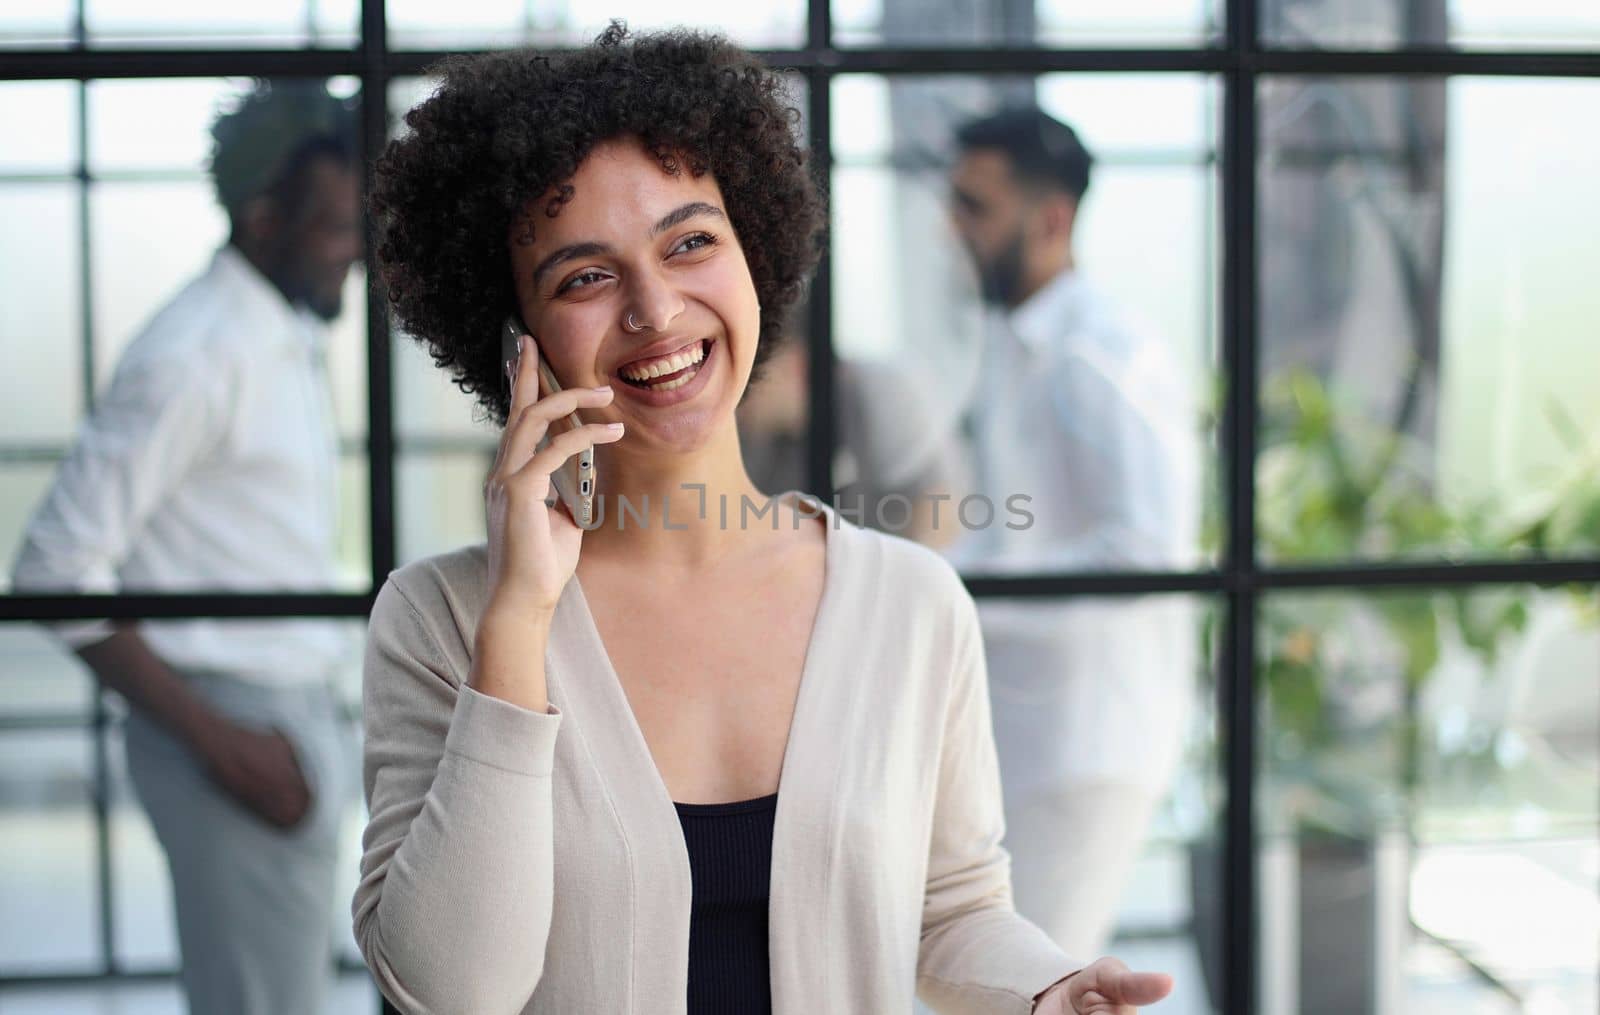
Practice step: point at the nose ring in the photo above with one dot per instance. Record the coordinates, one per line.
(631, 325)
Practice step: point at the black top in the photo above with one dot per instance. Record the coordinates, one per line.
(730, 860)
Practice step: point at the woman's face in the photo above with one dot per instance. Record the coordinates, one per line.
(633, 240)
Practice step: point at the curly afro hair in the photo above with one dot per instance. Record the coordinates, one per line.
(503, 129)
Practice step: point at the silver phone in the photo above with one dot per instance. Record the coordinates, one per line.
(576, 479)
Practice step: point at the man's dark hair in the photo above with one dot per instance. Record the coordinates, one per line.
(268, 141)
(503, 129)
(1043, 151)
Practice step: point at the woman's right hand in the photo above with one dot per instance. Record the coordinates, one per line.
(533, 547)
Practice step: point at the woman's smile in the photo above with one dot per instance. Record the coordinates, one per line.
(671, 378)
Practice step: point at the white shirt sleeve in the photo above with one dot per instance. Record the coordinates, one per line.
(157, 420)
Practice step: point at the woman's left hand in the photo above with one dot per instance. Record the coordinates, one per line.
(1104, 987)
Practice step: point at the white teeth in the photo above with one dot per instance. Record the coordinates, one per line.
(676, 382)
(669, 365)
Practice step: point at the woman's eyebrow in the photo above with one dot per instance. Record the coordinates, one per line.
(569, 252)
(681, 215)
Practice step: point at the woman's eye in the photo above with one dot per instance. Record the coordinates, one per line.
(578, 281)
(695, 241)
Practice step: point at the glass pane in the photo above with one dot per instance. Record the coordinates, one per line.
(41, 389)
(41, 676)
(418, 24)
(1075, 23)
(37, 23)
(353, 572)
(156, 124)
(39, 120)
(1462, 24)
(47, 853)
(440, 500)
(427, 405)
(773, 24)
(346, 677)
(1106, 730)
(1427, 803)
(133, 277)
(1425, 304)
(1066, 413)
(335, 22)
(347, 358)
(278, 23)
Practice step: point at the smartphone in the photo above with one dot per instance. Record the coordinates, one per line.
(575, 480)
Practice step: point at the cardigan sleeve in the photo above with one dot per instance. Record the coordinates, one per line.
(452, 911)
(977, 956)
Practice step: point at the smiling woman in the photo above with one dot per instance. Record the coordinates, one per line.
(686, 767)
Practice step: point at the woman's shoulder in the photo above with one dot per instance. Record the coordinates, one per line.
(901, 570)
(909, 604)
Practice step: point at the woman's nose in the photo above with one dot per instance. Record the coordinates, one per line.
(655, 304)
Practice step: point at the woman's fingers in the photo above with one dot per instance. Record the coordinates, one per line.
(525, 376)
(1109, 986)
(1141, 988)
(526, 389)
(524, 430)
(564, 446)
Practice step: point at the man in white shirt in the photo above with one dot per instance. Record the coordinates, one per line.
(209, 463)
(1092, 420)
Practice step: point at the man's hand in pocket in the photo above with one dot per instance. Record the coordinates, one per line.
(259, 770)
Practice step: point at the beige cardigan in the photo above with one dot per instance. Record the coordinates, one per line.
(518, 861)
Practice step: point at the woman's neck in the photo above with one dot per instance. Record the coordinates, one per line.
(677, 510)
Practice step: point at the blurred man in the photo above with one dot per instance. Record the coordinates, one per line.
(210, 463)
(1091, 420)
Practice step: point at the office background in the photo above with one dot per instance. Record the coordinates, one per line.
(1370, 231)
